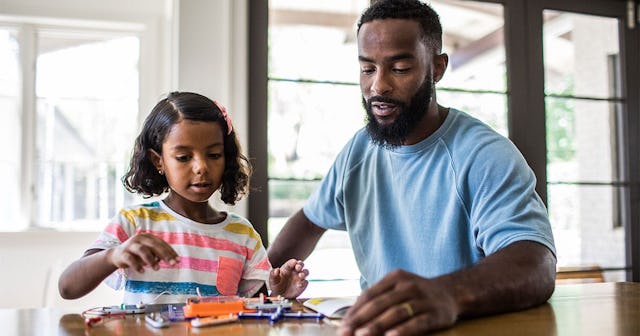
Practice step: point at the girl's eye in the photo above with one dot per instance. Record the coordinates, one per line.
(182, 158)
(401, 70)
(215, 155)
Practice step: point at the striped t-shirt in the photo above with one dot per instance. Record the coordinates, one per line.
(227, 258)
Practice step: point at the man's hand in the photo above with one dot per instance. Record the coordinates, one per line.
(519, 276)
(401, 303)
(290, 280)
(143, 249)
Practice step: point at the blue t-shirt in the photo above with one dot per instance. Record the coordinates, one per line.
(434, 207)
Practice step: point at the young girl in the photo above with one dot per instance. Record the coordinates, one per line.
(166, 251)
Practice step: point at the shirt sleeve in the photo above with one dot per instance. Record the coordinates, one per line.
(504, 205)
(256, 269)
(325, 206)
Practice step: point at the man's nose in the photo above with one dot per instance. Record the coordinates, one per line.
(380, 84)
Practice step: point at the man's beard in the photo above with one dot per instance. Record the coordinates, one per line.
(393, 135)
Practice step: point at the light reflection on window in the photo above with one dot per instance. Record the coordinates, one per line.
(10, 134)
(87, 108)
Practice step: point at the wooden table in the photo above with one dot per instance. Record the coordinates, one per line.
(580, 309)
(598, 309)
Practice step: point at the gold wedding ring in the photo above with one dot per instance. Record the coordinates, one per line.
(408, 308)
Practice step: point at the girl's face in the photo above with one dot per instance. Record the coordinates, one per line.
(192, 159)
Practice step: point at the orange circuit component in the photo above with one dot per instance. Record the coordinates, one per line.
(206, 307)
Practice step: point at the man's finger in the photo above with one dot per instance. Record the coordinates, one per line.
(418, 325)
(368, 313)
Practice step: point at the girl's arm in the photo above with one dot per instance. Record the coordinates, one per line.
(86, 273)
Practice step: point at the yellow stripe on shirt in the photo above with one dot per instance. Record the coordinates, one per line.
(143, 212)
(240, 228)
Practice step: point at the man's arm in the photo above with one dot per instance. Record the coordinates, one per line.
(519, 276)
(297, 239)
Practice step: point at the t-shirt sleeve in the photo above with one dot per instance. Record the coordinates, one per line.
(325, 206)
(505, 207)
(256, 269)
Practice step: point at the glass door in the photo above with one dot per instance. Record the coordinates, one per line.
(558, 77)
(314, 103)
(587, 149)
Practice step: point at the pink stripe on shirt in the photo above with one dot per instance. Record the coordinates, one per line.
(196, 264)
(116, 230)
(264, 264)
(181, 238)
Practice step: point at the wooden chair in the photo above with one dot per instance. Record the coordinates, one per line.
(579, 274)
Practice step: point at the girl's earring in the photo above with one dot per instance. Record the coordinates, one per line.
(160, 172)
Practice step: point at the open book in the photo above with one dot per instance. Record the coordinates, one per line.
(331, 307)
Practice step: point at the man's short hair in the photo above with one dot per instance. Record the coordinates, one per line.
(407, 9)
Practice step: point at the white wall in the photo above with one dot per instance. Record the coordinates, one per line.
(31, 262)
(195, 45)
(212, 59)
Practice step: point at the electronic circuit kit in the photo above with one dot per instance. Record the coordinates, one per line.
(205, 311)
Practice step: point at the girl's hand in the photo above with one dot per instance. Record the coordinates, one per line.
(289, 280)
(143, 249)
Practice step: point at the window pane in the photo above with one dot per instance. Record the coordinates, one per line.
(287, 197)
(473, 37)
(299, 116)
(586, 203)
(87, 108)
(314, 39)
(490, 108)
(583, 226)
(313, 52)
(580, 140)
(310, 123)
(10, 133)
(580, 53)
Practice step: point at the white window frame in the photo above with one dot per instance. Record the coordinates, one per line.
(154, 77)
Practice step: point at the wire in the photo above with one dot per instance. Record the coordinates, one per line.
(157, 297)
(101, 310)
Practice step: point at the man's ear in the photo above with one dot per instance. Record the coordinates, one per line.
(440, 63)
(156, 159)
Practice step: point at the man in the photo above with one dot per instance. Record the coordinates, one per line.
(440, 209)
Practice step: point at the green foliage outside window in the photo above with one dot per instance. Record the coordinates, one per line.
(560, 119)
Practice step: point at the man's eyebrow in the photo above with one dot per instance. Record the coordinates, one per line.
(393, 58)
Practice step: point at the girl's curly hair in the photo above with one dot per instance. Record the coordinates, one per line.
(143, 177)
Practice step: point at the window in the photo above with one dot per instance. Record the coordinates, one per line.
(314, 104)
(314, 108)
(553, 75)
(313, 84)
(10, 82)
(476, 78)
(586, 186)
(72, 123)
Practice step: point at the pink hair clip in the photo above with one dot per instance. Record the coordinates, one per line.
(226, 116)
